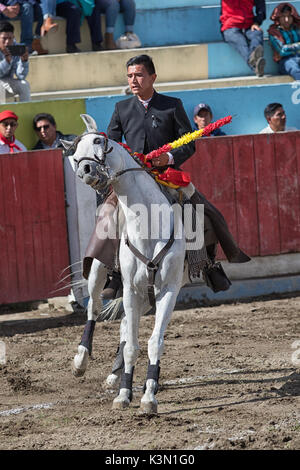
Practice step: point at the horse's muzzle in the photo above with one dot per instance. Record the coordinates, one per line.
(89, 172)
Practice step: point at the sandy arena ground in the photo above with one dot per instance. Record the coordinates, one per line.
(230, 379)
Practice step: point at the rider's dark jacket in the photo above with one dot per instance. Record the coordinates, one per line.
(144, 130)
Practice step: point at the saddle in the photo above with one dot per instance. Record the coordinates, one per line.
(201, 262)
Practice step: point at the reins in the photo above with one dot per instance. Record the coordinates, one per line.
(152, 265)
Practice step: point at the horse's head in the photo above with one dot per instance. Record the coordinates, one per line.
(91, 156)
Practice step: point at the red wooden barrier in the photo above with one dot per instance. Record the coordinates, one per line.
(33, 230)
(254, 180)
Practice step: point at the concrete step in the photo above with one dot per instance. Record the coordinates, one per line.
(160, 24)
(105, 72)
(165, 87)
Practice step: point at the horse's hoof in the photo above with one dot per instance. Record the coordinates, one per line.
(148, 408)
(120, 405)
(77, 372)
(112, 382)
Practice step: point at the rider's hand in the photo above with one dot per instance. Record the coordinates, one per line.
(162, 160)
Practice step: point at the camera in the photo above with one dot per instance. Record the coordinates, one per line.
(17, 49)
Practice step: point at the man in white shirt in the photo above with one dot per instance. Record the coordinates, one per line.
(8, 126)
(276, 118)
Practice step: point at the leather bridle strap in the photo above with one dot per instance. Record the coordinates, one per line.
(152, 266)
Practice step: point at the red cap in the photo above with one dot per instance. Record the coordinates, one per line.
(8, 114)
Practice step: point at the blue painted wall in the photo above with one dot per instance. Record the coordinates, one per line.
(224, 61)
(246, 104)
(182, 22)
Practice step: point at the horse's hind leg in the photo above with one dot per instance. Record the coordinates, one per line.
(96, 282)
(164, 308)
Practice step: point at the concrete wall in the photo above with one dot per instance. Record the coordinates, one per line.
(245, 104)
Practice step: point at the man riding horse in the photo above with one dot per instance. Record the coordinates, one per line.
(147, 121)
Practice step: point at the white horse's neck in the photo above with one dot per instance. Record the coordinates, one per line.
(137, 186)
(141, 200)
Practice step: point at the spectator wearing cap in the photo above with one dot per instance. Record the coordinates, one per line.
(13, 69)
(8, 126)
(49, 137)
(203, 116)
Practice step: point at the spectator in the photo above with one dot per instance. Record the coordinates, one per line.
(27, 12)
(49, 137)
(11, 66)
(285, 39)
(203, 116)
(8, 127)
(276, 118)
(241, 29)
(111, 9)
(73, 11)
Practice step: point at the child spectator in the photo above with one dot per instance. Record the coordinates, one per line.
(284, 36)
(203, 116)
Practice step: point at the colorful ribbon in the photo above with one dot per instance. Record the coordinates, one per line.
(171, 177)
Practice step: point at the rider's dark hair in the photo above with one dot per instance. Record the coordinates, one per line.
(271, 109)
(142, 59)
(6, 27)
(40, 116)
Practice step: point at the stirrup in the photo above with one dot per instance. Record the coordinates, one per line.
(215, 277)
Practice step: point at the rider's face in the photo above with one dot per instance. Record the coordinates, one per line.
(140, 81)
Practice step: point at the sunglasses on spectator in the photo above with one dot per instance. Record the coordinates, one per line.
(9, 123)
(46, 126)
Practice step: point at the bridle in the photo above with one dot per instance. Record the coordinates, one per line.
(152, 265)
(101, 159)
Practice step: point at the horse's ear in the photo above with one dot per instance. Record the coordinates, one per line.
(67, 144)
(89, 122)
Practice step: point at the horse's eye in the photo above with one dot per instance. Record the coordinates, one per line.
(97, 140)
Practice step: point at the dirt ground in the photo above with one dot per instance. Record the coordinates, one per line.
(230, 379)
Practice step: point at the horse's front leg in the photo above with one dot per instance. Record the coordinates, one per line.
(133, 306)
(165, 303)
(96, 282)
(114, 377)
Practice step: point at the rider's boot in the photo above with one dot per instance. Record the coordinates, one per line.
(113, 287)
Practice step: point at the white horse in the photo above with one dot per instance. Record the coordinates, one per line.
(151, 267)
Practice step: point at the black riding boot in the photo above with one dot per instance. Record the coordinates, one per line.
(113, 287)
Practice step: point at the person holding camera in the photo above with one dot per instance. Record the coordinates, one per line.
(14, 66)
